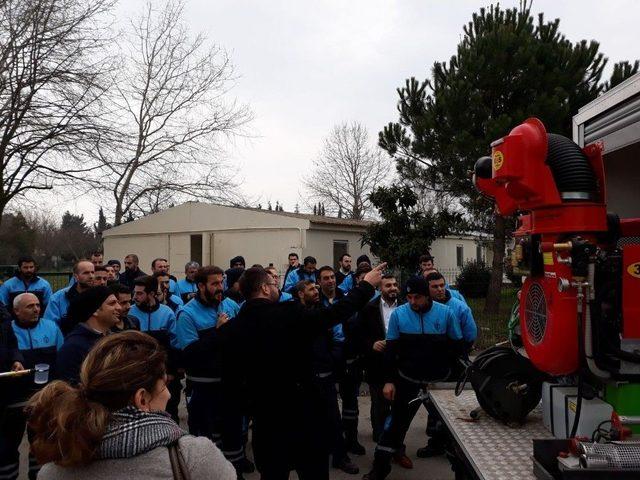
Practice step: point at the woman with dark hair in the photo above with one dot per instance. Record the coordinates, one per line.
(114, 424)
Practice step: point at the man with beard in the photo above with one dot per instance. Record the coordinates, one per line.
(345, 272)
(83, 276)
(116, 269)
(439, 293)
(126, 321)
(25, 280)
(375, 322)
(306, 272)
(131, 270)
(197, 333)
(294, 263)
(101, 276)
(232, 277)
(268, 375)
(187, 288)
(329, 364)
(423, 339)
(159, 321)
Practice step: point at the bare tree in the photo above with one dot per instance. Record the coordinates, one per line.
(51, 68)
(346, 171)
(171, 98)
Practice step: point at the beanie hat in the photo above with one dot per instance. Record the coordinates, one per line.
(86, 304)
(417, 285)
(238, 259)
(114, 262)
(363, 258)
(233, 275)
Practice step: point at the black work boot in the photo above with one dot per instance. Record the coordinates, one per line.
(346, 465)
(378, 472)
(355, 447)
(430, 450)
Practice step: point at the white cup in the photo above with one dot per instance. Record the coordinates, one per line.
(42, 373)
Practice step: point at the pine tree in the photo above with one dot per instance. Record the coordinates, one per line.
(315, 209)
(269, 207)
(101, 225)
(508, 66)
(340, 212)
(297, 209)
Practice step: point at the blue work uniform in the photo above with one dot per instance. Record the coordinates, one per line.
(59, 306)
(285, 297)
(38, 344)
(186, 290)
(198, 321)
(16, 285)
(297, 275)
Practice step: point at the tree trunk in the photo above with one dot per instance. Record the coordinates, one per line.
(492, 303)
(118, 215)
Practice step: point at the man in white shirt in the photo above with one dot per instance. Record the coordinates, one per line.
(375, 321)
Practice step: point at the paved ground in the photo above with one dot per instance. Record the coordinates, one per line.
(432, 469)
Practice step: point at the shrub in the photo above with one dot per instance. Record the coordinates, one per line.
(515, 279)
(473, 280)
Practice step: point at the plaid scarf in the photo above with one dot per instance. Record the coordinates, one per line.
(132, 432)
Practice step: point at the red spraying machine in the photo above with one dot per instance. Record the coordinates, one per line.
(579, 307)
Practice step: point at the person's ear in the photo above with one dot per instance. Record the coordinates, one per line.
(142, 399)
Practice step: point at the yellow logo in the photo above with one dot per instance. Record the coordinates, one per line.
(498, 160)
(634, 269)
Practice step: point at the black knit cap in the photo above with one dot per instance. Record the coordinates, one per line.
(417, 285)
(363, 258)
(87, 303)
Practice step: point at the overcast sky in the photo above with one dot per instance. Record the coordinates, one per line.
(304, 66)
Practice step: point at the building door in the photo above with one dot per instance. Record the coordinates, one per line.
(340, 247)
(196, 248)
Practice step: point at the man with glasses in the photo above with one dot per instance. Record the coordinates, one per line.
(284, 296)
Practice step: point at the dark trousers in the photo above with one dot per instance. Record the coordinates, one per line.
(435, 427)
(204, 408)
(349, 388)
(175, 389)
(12, 425)
(313, 468)
(402, 413)
(380, 409)
(334, 436)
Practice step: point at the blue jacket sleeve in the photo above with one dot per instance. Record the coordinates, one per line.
(47, 294)
(338, 333)
(59, 338)
(186, 331)
(468, 324)
(453, 325)
(292, 279)
(53, 311)
(4, 295)
(171, 328)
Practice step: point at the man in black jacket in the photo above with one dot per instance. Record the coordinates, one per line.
(374, 323)
(268, 374)
(131, 271)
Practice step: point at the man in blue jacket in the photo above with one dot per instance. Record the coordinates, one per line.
(25, 280)
(94, 313)
(38, 342)
(423, 340)
(84, 275)
(306, 272)
(165, 297)
(198, 323)
(439, 293)
(159, 321)
(187, 288)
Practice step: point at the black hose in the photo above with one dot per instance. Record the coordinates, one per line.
(570, 166)
(576, 419)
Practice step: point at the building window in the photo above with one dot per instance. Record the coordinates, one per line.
(196, 248)
(479, 257)
(340, 247)
(459, 255)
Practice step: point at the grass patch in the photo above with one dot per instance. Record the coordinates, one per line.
(492, 329)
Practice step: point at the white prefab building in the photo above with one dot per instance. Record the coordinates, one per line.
(213, 234)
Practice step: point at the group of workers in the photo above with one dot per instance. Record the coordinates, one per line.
(252, 352)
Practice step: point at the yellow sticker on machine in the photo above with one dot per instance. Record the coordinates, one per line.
(498, 160)
(572, 406)
(634, 269)
(547, 258)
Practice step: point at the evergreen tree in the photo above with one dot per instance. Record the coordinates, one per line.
(269, 207)
(101, 225)
(297, 209)
(508, 67)
(340, 212)
(315, 209)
